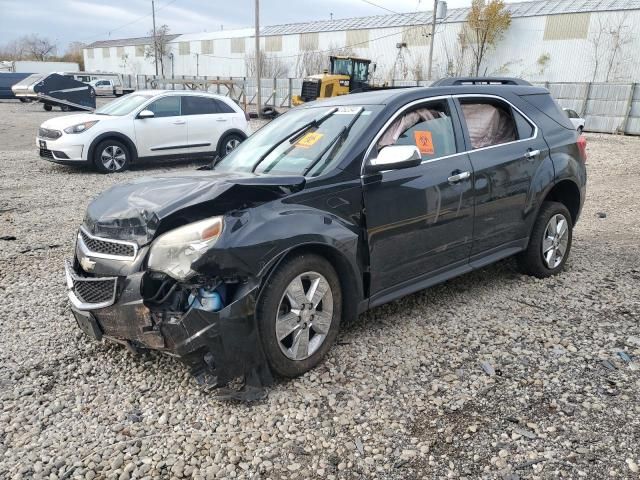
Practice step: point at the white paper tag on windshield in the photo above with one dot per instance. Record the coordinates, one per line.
(350, 111)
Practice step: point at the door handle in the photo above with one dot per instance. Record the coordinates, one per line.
(179, 122)
(531, 153)
(221, 119)
(458, 176)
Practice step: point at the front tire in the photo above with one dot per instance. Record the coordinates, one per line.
(229, 143)
(111, 156)
(550, 242)
(299, 314)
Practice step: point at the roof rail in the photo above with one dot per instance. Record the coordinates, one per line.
(458, 81)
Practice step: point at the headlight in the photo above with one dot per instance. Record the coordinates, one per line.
(81, 127)
(175, 251)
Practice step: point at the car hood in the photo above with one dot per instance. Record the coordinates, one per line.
(60, 123)
(135, 211)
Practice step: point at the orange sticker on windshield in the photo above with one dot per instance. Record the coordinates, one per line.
(424, 142)
(309, 140)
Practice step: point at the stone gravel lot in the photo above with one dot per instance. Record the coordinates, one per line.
(491, 375)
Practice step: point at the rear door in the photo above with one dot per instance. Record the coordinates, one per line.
(207, 123)
(164, 134)
(506, 150)
(419, 219)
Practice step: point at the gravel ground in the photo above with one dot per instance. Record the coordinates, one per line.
(491, 375)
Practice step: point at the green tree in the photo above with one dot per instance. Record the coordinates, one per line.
(486, 23)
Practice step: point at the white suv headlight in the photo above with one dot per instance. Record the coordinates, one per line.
(174, 252)
(81, 127)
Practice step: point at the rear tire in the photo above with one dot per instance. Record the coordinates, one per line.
(47, 108)
(229, 143)
(299, 314)
(550, 242)
(580, 129)
(111, 156)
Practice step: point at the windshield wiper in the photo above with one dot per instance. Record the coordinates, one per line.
(294, 136)
(343, 134)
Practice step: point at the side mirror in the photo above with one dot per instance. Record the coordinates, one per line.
(395, 157)
(146, 114)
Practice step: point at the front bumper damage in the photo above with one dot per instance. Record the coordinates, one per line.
(218, 347)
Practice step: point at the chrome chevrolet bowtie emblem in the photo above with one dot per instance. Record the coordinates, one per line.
(87, 264)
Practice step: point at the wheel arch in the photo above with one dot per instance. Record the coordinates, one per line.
(566, 192)
(352, 291)
(113, 136)
(230, 132)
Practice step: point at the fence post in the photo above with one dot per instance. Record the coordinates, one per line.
(629, 106)
(218, 85)
(586, 99)
(275, 91)
(290, 90)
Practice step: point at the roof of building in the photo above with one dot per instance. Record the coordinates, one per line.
(518, 10)
(125, 42)
(523, 9)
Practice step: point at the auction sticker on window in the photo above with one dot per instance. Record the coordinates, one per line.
(424, 142)
(309, 139)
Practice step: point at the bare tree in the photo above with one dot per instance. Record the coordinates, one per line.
(609, 41)
(38, 48)
(486, 23)
(456, 57)
(271, 66)
(596, 39)
(160, 44)
(13, 50)
(620, 36)
(74, 54)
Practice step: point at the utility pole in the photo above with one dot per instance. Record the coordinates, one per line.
(155, 38)
(433, 36)
(258, 65)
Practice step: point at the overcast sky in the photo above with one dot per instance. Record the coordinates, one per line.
(64, 21)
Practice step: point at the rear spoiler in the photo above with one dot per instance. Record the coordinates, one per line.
(460, 81)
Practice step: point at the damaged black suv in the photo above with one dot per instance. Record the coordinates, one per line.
(249, 268)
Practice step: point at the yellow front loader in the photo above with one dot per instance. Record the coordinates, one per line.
(346, 75)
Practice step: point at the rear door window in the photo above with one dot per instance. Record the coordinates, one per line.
(193, 105)
(166, 106)
(489, 122)
(428, 127)
(525, 129)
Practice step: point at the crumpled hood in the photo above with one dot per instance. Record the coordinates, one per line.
(134, 211)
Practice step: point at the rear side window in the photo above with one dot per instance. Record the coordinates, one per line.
(547, 105)
(166, 107)
(525, 129)
(192, 105)
(489, 122)
(427, 126)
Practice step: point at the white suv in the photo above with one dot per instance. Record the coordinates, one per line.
(147, 124)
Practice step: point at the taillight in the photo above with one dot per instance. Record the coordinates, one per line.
(582, 148)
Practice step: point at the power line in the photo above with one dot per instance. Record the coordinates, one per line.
(380, 6)
(109, 32)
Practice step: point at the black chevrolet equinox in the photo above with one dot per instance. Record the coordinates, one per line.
(247, 269)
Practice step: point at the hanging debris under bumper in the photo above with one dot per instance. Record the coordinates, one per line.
(218, 347)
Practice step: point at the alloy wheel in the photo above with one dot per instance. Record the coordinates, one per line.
(231, 145)
(113, 158)
(555, 241)
(304, 315)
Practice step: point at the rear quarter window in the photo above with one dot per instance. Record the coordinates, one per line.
(547, 105)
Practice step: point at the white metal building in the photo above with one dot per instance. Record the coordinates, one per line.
(550, 40)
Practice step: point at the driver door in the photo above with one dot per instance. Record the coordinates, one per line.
(164, 134)
(419, 219)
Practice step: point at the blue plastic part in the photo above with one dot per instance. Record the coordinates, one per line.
(207, 300)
